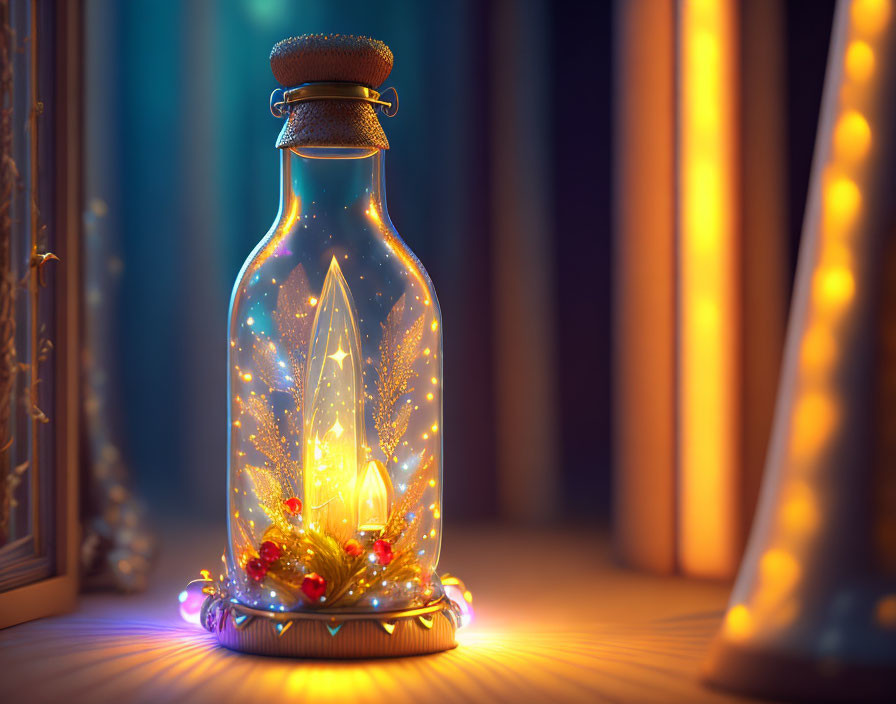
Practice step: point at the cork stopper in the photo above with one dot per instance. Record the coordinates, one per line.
(331, 58)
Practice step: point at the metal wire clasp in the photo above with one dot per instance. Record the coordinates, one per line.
(281, 98)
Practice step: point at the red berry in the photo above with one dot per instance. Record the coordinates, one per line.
(383, 551)
(256, 569)
(314, 586)
(269, 552)
(294, 505)
(353, 548)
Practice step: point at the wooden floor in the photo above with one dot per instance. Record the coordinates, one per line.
(555, 622)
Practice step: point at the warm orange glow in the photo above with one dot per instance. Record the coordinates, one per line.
(738, 622)
(779, 572)
(852, 138)
(799, 510)
(819, 349)
(834, 287)
(859, 61)
(333, 411)
(885, 612)
(708, 290)
(814, 418)
(842, 200)
(374, 497)
(373, 213)
(870, 16)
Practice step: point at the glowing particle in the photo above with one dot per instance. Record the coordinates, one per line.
(432, 482)
(247, 377)
(435, 427)
(429, 396)
(426, 351)
(250, 320)
(434, 380)
(434, 326)
(339, 355)
(312, 301)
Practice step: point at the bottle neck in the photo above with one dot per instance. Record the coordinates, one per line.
(334, 180)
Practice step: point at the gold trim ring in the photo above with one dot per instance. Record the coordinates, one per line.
(441, 604)
(282, 98)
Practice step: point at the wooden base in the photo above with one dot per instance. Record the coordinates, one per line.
(318, 635)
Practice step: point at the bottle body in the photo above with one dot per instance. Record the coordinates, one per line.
(335, 412)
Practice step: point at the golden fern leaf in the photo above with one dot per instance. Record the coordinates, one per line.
(348, 578)
(402, 371)
(403, 568)
(408, 533)
(267, 438)
(398, 519)
(266, 364)
(390, 433)
(294, 316)
(270, 495)
(398, 352)
(244, 545)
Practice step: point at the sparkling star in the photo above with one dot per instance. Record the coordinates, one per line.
(337, 429)
(338, 355)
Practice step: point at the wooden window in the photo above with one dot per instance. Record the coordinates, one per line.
(39, 307)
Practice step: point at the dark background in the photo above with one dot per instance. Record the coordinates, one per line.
(182, 167)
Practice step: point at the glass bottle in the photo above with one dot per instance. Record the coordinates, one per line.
(335, 407)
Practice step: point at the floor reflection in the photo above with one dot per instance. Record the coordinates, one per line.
(602, 635)
(96, 659)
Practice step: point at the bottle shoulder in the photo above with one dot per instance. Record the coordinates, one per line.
(375, 260)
